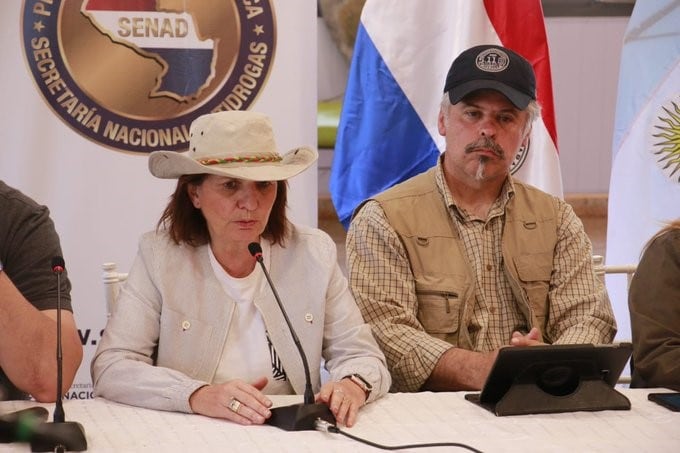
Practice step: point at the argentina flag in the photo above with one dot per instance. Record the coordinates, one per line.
(403, 50)
(644, 190)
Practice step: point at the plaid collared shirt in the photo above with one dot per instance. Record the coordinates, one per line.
(384, 287)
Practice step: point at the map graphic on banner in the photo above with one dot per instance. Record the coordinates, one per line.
(403, 50)
(169, 37)
(150, 67)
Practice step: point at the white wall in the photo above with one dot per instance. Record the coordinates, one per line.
(584, 55)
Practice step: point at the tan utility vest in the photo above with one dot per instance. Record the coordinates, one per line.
(445, 285)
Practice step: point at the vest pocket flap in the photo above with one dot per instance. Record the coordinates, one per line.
(438, 311)
(534, 267)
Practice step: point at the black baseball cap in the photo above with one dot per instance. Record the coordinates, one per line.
(495, 68)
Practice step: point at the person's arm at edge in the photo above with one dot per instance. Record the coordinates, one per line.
(657, 353)
(28, 339)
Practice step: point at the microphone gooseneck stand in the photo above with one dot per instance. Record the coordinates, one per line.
(59, 435)
(296, 417)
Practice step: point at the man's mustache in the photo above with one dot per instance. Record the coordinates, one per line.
(485, 143)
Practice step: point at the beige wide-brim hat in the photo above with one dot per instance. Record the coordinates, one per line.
(237, 144)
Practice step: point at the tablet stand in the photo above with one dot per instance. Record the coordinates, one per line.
(565, 387)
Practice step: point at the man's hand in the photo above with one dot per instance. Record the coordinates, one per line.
(533, 338)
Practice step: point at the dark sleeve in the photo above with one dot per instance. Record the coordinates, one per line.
(28, 242)
(654, 304)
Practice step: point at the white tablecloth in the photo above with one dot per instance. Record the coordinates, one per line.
(401, 418)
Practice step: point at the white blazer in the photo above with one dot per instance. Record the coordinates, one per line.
(167, 332)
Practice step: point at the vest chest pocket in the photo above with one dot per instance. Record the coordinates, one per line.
(534, 272)
(439, 312)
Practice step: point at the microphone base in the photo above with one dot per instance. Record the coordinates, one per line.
(300, 417)
(62, 436)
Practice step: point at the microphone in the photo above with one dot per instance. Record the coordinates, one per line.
(296, 417)
(59, 435)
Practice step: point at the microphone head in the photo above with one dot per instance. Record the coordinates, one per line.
(255, 249)
(58, 265)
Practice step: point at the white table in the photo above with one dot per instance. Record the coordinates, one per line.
(401, 418)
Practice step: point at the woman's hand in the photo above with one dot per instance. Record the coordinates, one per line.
(344, 399)
(233, 400)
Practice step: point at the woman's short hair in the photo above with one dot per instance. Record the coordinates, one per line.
(186, 224)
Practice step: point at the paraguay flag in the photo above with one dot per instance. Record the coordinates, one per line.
(644, 189)
(403, 50)
(168, 35)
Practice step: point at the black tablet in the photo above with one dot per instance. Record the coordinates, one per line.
(554, 378)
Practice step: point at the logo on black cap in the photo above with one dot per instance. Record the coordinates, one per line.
(492, 60)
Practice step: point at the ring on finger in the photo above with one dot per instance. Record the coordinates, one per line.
(234, 405)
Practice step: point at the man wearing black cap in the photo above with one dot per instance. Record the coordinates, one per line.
(463, 259)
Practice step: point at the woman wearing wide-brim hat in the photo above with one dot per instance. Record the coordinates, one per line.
(197, 327)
